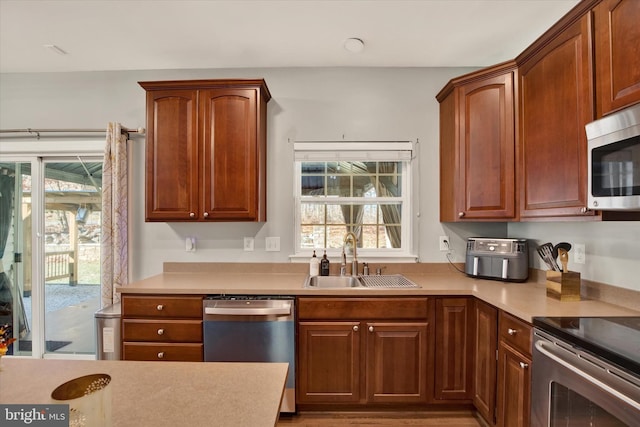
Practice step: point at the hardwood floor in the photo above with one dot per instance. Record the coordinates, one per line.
(361, 419)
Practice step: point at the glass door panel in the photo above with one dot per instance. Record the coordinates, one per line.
(15, 257)
(72, 231)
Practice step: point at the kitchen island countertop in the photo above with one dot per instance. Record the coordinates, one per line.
(523, 300)
(159, 394)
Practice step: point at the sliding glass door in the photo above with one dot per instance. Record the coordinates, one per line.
(51, 253)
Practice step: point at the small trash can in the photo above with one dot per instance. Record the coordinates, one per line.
(108, 332)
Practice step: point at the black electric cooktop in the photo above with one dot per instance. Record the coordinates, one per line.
(615, 339)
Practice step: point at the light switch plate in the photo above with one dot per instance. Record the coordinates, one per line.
(272, 244)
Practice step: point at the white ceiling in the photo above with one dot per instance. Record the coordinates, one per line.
(143, 34)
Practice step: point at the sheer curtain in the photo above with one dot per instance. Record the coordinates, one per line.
(115, 227)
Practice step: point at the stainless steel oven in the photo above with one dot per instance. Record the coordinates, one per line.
(574, 383)
(252, 328)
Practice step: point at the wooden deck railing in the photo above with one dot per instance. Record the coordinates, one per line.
(59, 265)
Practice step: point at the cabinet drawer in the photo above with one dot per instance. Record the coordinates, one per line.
(186, 307)
(162, 352)
(515, 333)
(362, 308)
(161, 330)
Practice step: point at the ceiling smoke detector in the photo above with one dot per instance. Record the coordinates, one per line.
(354, 45)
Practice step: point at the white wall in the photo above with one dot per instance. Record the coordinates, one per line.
(307, 104)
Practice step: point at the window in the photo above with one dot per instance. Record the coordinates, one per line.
(364, 191)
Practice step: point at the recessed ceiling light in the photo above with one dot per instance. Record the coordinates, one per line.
(56, 49)
(354, 45)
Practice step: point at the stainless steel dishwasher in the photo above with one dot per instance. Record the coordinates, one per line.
(252, 328)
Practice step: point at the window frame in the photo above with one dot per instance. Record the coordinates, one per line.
(367, 152)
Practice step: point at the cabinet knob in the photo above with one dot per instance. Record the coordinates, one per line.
(355, 328)
(370, 328)
(206, 214)
(161, 355)
(512, 332)
(160, 331)
(584, 210)
(524, 365)
(460, 214)
(160, 307)
(192, 214)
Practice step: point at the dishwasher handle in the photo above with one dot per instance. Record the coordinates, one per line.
(240, 308)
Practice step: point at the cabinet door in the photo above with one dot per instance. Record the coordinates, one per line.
(172, 156)
(556, 103)
(487, 149)
(329, 362)
(484, 372)
(514, 388)
(617, 47)
(230, 153)
(397, 362)
(453, 344)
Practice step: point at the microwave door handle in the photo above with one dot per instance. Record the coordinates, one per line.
(540, 346)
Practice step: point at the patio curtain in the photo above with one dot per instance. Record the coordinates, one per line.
(114, 271)
(7, 183)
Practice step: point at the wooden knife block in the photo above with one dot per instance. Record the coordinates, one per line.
(563, 286)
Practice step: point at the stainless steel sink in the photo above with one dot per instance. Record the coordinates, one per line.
(328, 282)
(347, 282)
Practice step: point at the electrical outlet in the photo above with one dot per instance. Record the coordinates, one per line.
(272, 244)
(579, 253)
(190, 244)
(444, 243)
(248, 244)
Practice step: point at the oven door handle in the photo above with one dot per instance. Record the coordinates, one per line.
(540, 346)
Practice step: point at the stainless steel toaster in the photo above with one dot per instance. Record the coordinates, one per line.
(498, 259)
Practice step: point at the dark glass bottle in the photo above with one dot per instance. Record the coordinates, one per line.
(324, 265)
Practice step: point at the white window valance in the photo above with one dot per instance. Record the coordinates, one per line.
(353, 150)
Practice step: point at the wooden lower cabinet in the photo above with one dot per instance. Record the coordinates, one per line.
(485, 348)
(361, 359)
(162, 328)
(514, 372)
(453, 343)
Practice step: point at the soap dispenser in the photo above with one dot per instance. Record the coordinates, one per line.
(324, 264)
(314, 265)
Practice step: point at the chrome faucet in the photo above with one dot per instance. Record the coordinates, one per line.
(354, 263)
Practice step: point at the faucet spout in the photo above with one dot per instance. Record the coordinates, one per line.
(354, 264)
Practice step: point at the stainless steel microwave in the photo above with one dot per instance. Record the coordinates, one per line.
(614, 161)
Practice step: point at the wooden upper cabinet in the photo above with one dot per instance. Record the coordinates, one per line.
(171, 151)
(206, 150)
(477, 146)
(617, 48)
(556, 102)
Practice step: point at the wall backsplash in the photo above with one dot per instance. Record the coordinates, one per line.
(307, 104)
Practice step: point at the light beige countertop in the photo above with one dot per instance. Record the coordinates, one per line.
(523, 300)
(159, 394)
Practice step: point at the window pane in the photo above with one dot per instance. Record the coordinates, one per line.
(312, 185)
(314, 168)
(339, 185)
(312, 237)
(369, 237)
(335, 236)
(370, 214)
(364, 186)
(389, 186)
(390, 237)
(336, 214)
(312, 213)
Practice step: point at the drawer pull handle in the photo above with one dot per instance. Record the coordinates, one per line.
(192, 214)
(355, 328)
(206, 214)
(370, 328)
(160, 331)
(512, 332)
(161, 355)
(524, 365)
(160, 307)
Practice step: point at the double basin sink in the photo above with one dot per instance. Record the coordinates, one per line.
(361, 282)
